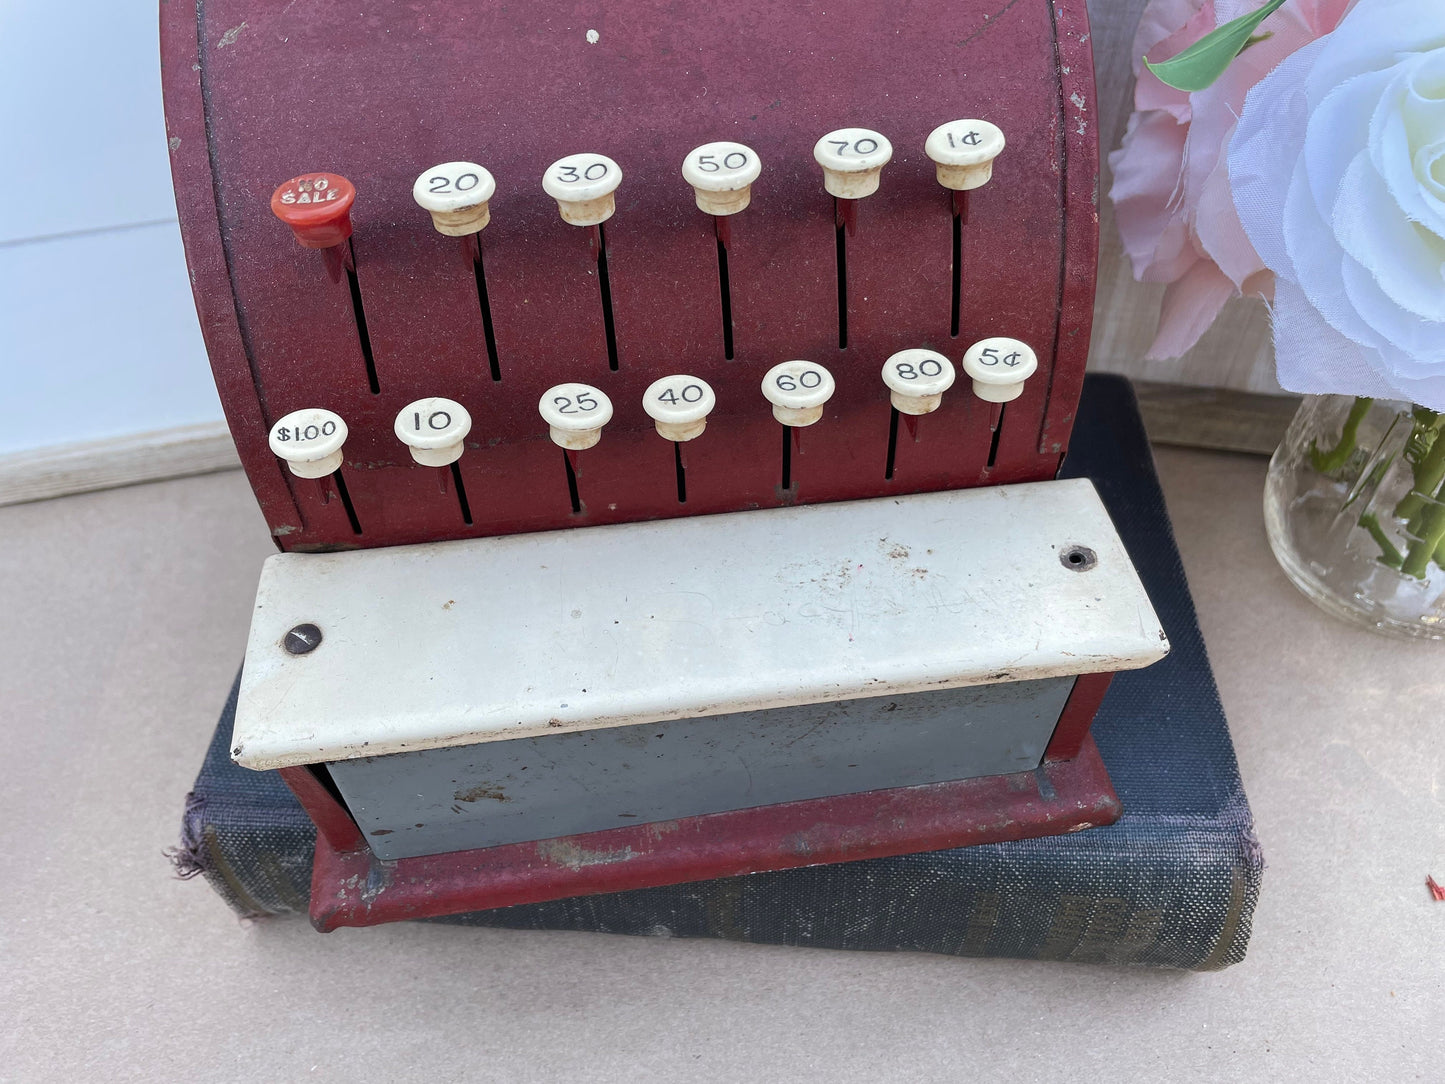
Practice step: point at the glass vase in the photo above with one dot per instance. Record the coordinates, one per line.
(1354, 506)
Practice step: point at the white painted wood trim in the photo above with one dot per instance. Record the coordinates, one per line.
(121, 461)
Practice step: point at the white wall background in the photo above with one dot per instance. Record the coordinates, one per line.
(98, 333)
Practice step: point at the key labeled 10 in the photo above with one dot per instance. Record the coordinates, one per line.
(434, 429)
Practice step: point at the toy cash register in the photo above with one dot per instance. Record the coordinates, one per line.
(657, 407)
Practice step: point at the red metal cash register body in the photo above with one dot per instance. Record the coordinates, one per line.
(396, 312)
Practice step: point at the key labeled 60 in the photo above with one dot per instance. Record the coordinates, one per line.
(798, 390)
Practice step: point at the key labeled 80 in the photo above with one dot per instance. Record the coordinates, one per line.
(917, 380)
(927, 368)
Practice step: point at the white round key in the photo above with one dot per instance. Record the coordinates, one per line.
(582, 185)
(917, 379)
(963, 152)
(798, 390)
(679, 404)
(999, 368)
(852, 161)
(434, 430)
(456, 194)
(721, 175)
(310, 441)
(575, 414)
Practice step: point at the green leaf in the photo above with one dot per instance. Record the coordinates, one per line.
(1203, 62)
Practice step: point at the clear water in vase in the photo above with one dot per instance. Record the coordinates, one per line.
(1354, 506)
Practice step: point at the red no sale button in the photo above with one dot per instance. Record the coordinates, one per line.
(317, 207)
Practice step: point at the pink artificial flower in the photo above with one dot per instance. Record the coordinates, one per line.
(1171, 189)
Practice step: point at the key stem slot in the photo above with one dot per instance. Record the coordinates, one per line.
(474, 254)
(997, 427)
(461, 494)
(681, 472)
(841, 231)
(723, 233)
(345, 496)
(960, 219)
(787, 458)
(360, 313)
(892, 443)
(572, 483)
(604, 282)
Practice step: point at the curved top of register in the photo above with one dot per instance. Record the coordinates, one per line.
(464, 642)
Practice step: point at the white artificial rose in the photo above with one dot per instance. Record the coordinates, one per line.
(1338, 172)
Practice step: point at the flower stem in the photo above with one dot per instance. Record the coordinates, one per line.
(1331, 461)
(1430, 538)
(1389, 555)
(1427, 463)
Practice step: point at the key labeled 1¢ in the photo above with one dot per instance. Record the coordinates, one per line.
(963, 153)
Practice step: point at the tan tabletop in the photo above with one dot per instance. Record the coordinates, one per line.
(118, 646)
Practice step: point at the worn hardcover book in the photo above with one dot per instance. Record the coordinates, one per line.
(1172, 884)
